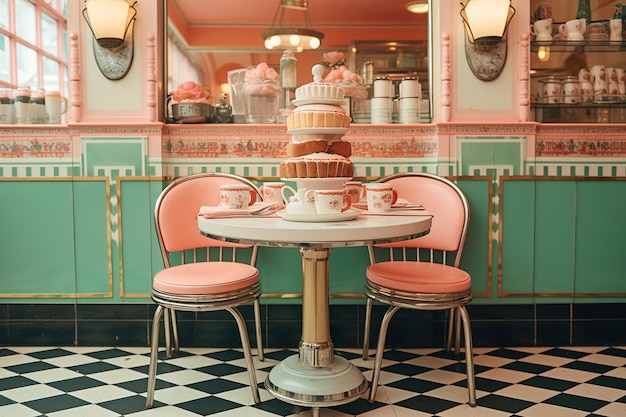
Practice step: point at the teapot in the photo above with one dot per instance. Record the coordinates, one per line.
(297, 203)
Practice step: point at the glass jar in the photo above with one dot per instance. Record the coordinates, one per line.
(262, 97)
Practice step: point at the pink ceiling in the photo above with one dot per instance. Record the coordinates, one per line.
(231, 23)
(322, 12)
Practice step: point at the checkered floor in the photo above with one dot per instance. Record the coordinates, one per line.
(107, 382)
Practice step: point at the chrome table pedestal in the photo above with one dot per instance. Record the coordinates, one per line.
(315, 377)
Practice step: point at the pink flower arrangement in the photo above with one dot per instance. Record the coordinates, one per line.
(190, 92)
(337, 70)
(262, 71)
(333, 59)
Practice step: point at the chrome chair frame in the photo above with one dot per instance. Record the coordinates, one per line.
(168, 304)
(453, 302)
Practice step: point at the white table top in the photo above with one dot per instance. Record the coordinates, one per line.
(272, 231)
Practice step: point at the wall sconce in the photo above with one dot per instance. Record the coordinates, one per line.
(111, 23)
(485, 24)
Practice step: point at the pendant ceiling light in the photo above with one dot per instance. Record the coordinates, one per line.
(292, 28)
(418, 6)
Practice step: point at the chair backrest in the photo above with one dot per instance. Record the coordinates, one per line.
(445, 201)
(176, 211)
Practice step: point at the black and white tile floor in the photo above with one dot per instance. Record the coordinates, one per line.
(110, 382)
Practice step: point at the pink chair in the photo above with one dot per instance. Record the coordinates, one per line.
(192, 279)
(424, 273)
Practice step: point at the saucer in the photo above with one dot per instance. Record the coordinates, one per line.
(349, 214)
(400, 203)
(330, 183)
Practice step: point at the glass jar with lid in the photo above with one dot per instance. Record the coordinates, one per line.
(263, 99)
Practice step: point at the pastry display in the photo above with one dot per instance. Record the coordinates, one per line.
(316, 165)
(317, 148)
(318, 116)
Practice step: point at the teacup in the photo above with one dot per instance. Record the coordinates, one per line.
(380, 197)
(234, 196)
(574, 30)
(272, 192)
(329, 201)
(355, 190)
(542, 29)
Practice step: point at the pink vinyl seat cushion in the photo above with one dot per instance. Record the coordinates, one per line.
(419, 277)
(205, 278)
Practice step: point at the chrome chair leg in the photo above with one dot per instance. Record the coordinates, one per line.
(380, 348)
(257, 326)
(175, 330)
(366, 330)
(451, 315)
(247, 353)
(469, 355)
(154, 355)
(168, 334)
(454, 331)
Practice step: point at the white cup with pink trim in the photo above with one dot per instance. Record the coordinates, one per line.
(380, 197)
(329, 201)
(355, 190)
(235, 196)
(272, 192)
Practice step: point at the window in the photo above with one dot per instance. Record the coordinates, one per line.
(33, 44)
(180, 67)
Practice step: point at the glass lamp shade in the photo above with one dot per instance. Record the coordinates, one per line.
(298, 40)
(486, 21)
(109, 20)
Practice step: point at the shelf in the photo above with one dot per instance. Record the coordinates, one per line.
(580, 46)
(605, 112)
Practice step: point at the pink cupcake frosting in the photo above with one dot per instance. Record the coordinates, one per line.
(189, 92)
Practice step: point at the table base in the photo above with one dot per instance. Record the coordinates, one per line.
(338, 383)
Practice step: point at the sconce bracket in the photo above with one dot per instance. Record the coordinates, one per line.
(114, 63)
(486, 61)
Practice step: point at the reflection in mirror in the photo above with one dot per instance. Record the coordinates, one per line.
(377, 38)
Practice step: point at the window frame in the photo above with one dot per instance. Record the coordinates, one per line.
(56, 10)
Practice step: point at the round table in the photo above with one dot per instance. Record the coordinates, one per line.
(315, 377)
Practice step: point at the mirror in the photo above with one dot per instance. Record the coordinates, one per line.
(219, 39)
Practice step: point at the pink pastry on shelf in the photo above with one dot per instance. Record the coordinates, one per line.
(262, 71)
(190, 92)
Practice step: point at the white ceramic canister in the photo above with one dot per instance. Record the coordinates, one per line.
(410, 87)
(381, 109)
(37, 111)
(551, 91)
(409, 110)
(22, 105)
(383, 87)
(571, 90)
(6, 107)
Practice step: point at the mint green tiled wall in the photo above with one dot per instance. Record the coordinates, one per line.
(557, 236)
(563, 238)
